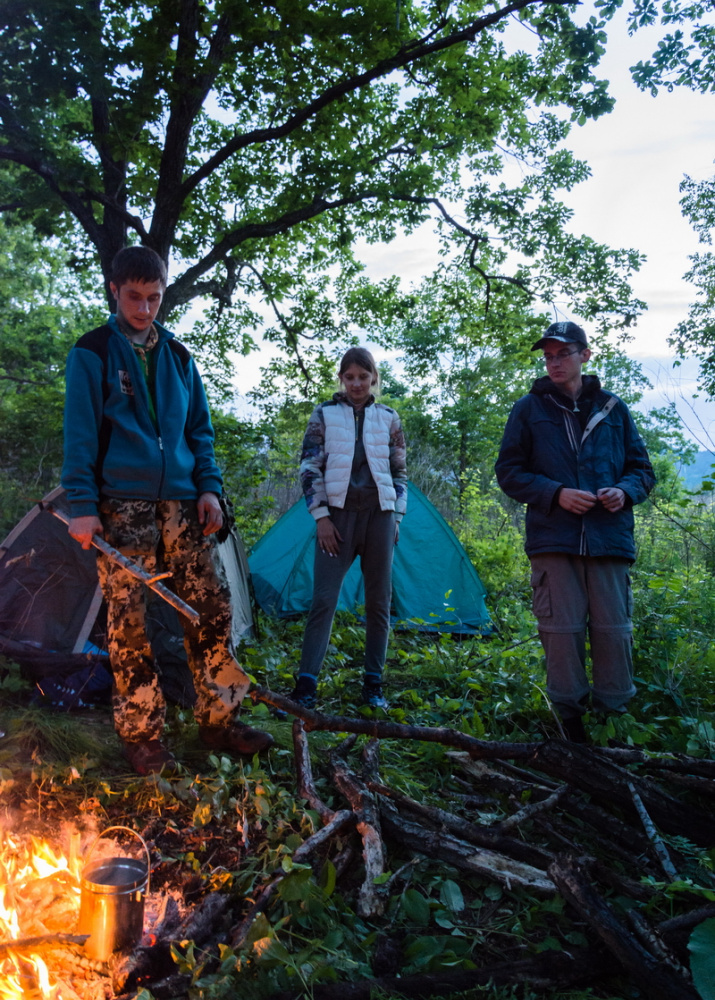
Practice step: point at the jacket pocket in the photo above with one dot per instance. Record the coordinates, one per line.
(541, 594)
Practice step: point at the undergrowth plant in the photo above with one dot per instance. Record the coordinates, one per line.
(233, 825)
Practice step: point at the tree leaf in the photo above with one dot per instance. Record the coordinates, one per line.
(702, 958)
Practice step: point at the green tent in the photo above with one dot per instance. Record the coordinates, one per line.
(434, 585)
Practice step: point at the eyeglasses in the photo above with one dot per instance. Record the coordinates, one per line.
(549, 359)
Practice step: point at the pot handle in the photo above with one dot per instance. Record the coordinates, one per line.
(126, 829)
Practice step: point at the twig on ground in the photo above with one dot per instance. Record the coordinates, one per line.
(649, 826)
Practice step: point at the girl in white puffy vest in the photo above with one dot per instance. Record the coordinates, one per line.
(354, 480)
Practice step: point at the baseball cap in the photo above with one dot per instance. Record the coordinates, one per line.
(567, 332)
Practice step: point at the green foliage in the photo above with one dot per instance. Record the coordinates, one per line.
(255, 145)
(702, 958)
(44, 309)
(490, 528)
(491, 687)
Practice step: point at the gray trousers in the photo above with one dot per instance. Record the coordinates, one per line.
(369, 533)
(570, 595)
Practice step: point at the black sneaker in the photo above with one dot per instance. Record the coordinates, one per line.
(304, 692)
(372, 695)
(573, 729)
(306, 699)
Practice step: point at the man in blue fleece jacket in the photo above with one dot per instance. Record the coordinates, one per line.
(139, 469)
(572, 453)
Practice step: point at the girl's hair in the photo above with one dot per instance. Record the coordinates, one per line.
(363, 359)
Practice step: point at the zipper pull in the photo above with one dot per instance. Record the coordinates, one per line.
(161, 443)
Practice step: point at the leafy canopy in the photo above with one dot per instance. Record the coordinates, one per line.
(253, 143)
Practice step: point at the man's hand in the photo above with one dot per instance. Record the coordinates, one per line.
(210, 513)
(397, 532)
(612, 498)
(329, 538)
(576, 501)
(83, 529)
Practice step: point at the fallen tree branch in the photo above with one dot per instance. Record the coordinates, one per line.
(482, 836)
(608, 783)
(546, 973)
(370, 903)
(304, 773)
(384, 729)
(42, 941)
(656, 840)
(651, 974)
(533, 809)
(625, 840)
(491, 865)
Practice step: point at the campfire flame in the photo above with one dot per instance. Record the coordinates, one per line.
(39, 895)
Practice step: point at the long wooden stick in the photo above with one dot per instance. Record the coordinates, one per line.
(42, 941)
(136, 571)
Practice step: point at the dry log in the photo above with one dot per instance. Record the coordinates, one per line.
(41, 941)
(547, 973)
(148, 964)
(622, 884)
(386, 729)
(691, 782)
(611, 828)
(173, 987)
(496, 780)
(650, 938)
(562, 830)
(533, 809)
(657, 980)
(656, 840)
(482, 836)
(370, 902)
(486, 863)
(678, 763)
(677, 930)
(607, 782)
(686, 921)
(304, 773)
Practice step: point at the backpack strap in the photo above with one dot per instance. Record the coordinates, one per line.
(598, 416)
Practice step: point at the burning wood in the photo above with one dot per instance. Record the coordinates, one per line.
(518, 823)
(39, 896)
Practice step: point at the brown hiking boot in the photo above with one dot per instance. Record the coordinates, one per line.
(235, 737)
(150, 757)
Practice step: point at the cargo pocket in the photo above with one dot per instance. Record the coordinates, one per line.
(541, 595)
(629, 596)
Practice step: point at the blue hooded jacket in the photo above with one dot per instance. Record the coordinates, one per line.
(545, 449)
(112, 447)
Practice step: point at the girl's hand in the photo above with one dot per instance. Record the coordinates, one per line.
(397, 532)
(329, 537)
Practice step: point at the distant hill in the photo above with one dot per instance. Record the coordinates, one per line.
(701, 468)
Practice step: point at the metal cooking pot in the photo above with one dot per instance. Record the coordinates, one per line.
(112, 900)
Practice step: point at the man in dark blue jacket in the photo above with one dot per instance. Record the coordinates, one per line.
(139, 469)
(572, 453)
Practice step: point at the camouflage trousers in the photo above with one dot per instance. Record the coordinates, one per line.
(166, 536)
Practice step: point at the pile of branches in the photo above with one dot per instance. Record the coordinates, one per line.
(621, 799)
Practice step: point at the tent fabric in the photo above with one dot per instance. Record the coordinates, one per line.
(51, 606)
(429, 564)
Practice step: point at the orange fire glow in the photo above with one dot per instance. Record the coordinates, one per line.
(39, 895)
